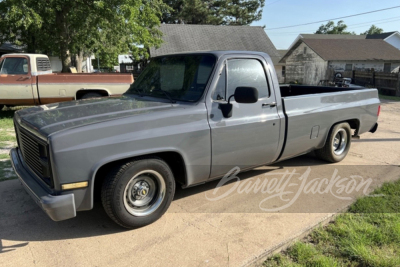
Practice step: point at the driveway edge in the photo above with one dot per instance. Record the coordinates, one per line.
(258, 260)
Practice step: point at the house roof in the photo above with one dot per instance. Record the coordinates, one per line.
(188, 38)
(380, 36)
(347, 49)
(332, 36)
(350, 49)
(9, 47)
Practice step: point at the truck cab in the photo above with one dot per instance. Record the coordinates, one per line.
(17, 77)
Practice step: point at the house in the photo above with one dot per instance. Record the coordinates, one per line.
(312, 58)
(7, 48)
(280, 68)
(180, 38)
(392, 38)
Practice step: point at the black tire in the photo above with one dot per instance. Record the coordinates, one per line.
(337, 144)
(119, 192)
(91, 95)
(338, 75)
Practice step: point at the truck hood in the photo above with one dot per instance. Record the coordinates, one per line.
(48, 119)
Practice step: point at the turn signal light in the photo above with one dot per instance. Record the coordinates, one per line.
(74, 185)
(379, 110)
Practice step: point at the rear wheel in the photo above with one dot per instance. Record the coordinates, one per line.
(337, 145)
(139, 192)
(91, 95)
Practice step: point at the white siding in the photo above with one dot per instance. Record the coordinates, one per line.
(361, 65)
(56, 65)
(278, 70)
(306, 68)
(394, 40)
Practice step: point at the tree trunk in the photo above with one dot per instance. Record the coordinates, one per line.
(63, 37)
(65, 60)
(79, 60)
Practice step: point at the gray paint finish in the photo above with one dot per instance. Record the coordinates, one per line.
(85, 135)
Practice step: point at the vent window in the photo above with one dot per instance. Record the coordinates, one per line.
(43, 64)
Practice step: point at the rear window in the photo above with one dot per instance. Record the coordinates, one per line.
(43, 64)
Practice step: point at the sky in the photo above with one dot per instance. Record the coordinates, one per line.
(281, 13)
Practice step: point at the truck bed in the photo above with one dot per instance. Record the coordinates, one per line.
(310, 112)
(296, 90)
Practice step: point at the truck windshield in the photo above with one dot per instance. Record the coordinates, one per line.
(182, 78)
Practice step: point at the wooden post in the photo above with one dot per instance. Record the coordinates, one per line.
(373, 79)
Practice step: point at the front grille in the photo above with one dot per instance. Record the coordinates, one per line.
(35, 155)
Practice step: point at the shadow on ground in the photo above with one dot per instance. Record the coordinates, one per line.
(22, 220)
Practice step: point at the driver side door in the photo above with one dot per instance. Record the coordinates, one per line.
(250, 137)
(15, 81)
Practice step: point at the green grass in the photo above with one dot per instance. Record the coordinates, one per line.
(368, 235)
(6, 171)
(394, 98)
(7, 140)
(7, 126)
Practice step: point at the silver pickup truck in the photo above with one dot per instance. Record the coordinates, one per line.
(188, 119)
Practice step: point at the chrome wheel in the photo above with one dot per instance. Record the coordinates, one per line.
(144, 193)
(339, 142)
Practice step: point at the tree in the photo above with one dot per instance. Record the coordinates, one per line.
(373, 30)
(68, 27)
(331, 28)
(214, 12)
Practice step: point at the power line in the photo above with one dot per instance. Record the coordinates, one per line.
(377, 22)
(359, 14)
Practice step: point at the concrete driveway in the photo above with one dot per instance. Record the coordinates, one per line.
(241, 228)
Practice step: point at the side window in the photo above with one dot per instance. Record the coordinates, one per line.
(220, 90)
(16, 65)
(248, 73)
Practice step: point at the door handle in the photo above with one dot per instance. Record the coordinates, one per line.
(272, 104)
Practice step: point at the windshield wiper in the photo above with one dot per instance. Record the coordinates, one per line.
(167, 95)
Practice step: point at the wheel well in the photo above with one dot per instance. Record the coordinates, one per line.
(173, 159)
(354, 124)
(81, 93)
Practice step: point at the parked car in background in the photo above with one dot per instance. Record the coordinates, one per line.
(27, 79)
(188, 119)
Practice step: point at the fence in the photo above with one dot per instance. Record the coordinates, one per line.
(387, 83)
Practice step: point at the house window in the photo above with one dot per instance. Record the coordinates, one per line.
(348, 67)
(283, 71)
(387, 67)
(305, 50)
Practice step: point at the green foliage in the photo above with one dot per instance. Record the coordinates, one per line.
(373, 30)
(331, 28)
(214, 12)
(68, 27)
(388, 97)
(6, 171)
(369, 235)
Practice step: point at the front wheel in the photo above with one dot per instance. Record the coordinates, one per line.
(139, 192)
(337, 145)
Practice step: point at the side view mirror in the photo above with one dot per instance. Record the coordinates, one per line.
(243, 95)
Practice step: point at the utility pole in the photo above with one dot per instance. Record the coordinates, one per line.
(98, 63)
